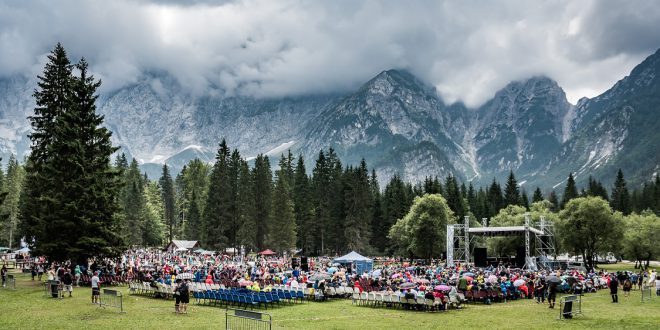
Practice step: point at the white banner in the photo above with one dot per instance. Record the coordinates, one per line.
(450, 245)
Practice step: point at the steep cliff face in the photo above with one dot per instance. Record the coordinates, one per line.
(395, 121)
(521, 127)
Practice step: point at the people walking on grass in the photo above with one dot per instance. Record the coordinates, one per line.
(627, 286)
(552, 294)
(40, 272)
(96, 288)
(614, 287)
(539, 290)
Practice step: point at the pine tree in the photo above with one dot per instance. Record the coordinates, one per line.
(395, 205)
(454, 197)
(524, 200)
(215, 217)
(282, 233)
(193, 223)
(52, 97)
(152, 226)
(620, 195)
(321, 195)
(554, 201)
(570, 191)
(262, 180)
(538, 195)
(167, 191)
(247, 233)
(511, 191)
(377, 215)
(335, 229)
(68, 211)
(358, 201)
(595, 188)
(10, 205)
(233, 171)
(495, 199)
(303, 207)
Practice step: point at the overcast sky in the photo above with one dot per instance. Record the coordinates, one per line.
(467, 49)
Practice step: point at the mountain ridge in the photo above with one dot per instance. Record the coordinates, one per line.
(396, 121)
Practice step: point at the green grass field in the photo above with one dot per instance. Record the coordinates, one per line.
(28, 308)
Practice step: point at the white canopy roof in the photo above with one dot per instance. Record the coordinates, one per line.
(351, 257)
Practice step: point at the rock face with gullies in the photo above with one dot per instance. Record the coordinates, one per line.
(617, 129)
(396, 122)
(521, 127)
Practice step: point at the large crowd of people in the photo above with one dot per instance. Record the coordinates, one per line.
(404, 278)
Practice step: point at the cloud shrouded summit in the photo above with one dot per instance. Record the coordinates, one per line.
(467, 49)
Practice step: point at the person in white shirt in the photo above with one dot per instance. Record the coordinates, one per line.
(96, 289)
(294, 283)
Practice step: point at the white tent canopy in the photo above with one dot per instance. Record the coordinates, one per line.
(351, 257)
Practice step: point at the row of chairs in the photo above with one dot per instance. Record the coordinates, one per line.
(485, 295)
(340, 291)
(113, 280)
(376, 299)
(244, 298)
(145, 288)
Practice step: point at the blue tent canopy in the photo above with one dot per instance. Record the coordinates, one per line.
(361, 263)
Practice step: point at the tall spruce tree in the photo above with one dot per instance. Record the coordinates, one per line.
(247, 233)
(193, 223)
(322, 197)
(595, 188)
(9, 211)
(495, 199)
(570, 191)
(167, 191)
(620, 195)
(554, 201)
(511, 191)
(303, 207)
(282, 232)
(263, 181)
(538, 195)
(358, 202)
(68, 211)
(216, 215)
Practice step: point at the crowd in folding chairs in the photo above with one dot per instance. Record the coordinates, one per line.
(271, 281)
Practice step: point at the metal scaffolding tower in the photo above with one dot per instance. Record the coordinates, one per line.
(545, 243)
(458, 242)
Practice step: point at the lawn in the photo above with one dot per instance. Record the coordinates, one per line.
(27, 308)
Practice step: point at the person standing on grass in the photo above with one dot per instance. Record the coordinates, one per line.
(552, 294)
(627, 286)
(96, 288)
(3, 273)
(184, 296)
(67, 280)
(614, 287)
(78, 273)
(40, 271)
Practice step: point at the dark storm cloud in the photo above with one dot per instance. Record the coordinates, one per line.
(468, 49)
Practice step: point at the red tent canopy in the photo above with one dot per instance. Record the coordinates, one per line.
(267, 252)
